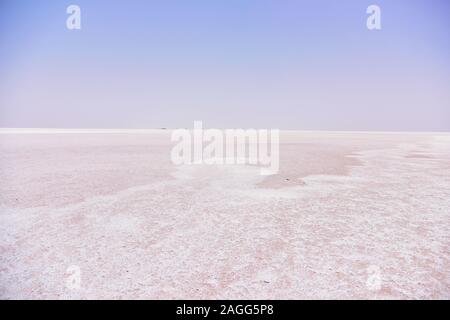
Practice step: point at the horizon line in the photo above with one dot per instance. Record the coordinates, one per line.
(162, 129)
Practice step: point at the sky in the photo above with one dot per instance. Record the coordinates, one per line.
(306, 65)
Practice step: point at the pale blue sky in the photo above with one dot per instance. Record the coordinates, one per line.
(230, 63)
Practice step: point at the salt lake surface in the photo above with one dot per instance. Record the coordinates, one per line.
(350, 215)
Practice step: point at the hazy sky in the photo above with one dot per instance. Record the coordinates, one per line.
(230, 63)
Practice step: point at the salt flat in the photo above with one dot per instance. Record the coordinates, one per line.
(350, 215)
